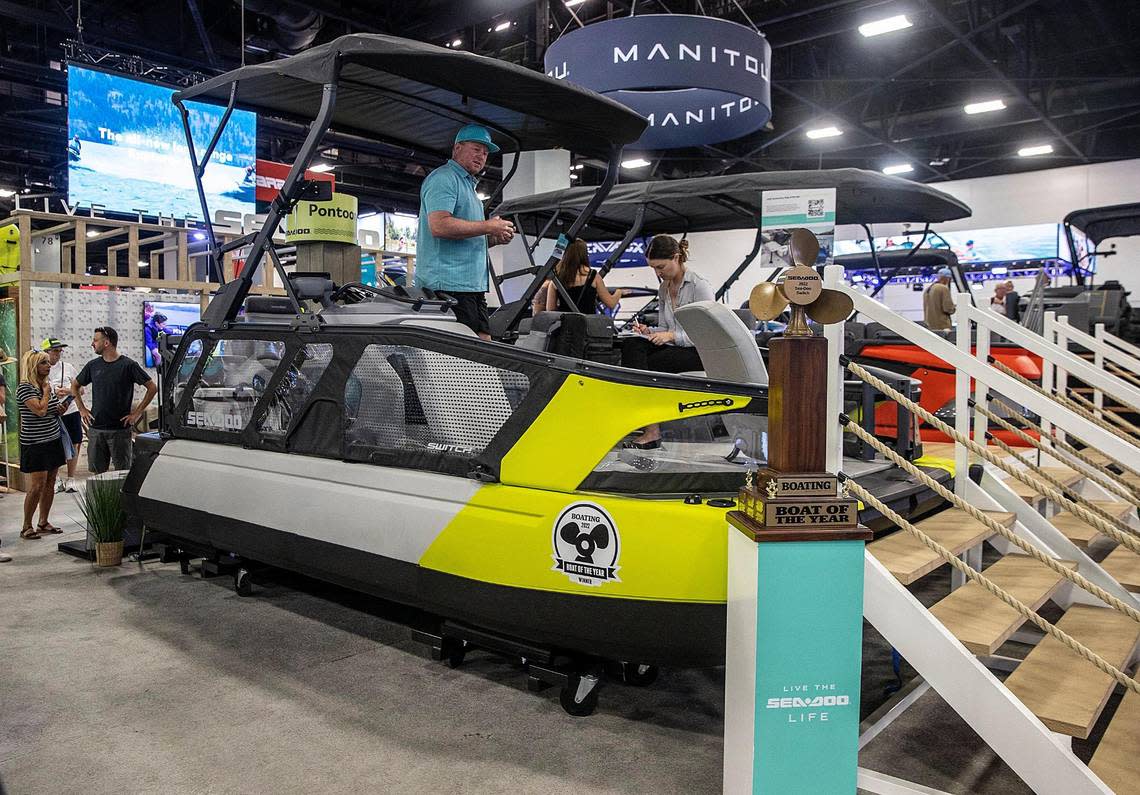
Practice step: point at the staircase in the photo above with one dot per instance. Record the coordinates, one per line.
(1067, 693)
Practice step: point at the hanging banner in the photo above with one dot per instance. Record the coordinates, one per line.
(699, 80)
(270, 178)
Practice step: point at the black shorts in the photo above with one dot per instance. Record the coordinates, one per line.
(74, 424)
(42, 457)
(471, 310)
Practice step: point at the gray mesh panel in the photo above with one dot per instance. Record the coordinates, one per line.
(400, 396)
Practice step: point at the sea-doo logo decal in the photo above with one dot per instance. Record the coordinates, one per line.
(700, 404)
(586, 545)
(215, 421)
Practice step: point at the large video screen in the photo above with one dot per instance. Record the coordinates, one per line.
(126, 149)
(165, 317)
(1000, 244)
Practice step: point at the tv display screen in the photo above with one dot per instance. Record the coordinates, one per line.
(1000, 244)
(400, 233)
(165, 316)
(126, 149)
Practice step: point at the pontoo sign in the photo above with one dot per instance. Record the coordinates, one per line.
(698, 80)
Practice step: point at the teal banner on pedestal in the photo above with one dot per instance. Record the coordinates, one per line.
(809, 635)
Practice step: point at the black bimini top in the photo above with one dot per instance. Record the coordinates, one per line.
(418, 95)
(709, 204)
(1101, 223)
(922, 259)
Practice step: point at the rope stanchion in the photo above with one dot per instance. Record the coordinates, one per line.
(1058, 443)
(1123, 424)
(1079, 464)
(1068, 403)
(1076, 578)
(1125, 539)
(994, 589)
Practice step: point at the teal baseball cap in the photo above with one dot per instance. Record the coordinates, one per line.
(477, 133)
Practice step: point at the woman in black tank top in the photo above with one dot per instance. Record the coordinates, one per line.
(584, 284)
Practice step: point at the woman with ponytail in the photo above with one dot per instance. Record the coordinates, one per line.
(583, 283)
(665, 348)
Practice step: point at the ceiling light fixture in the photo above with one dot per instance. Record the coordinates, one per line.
(94, 232)
(824, 132)
(984, 107)
(1030, 151)
(6, 192)
(636, 162)
(482, 196)
(573, 176)
(456, 42)
(572, 3)
(577, 166)
(888, 25)
(321, 168)
(502, 26)
(900, 168)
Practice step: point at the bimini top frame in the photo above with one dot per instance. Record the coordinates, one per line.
(1101, 223)
(406, 93)
(710, 204)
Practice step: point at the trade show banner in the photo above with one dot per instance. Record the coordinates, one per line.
(330, 221)
(699, 80)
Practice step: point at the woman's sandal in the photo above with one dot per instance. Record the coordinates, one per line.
(29, 533)
(44, 528)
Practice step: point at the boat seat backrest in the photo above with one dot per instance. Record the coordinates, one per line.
(727, 347)
(729, 352)
(543, 327)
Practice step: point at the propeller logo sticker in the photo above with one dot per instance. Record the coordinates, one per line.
(586, 545)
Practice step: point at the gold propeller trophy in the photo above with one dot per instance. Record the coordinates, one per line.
(795, 490)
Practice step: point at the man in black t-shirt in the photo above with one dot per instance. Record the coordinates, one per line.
(112, 378)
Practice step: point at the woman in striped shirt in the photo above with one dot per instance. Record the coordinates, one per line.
(41, 445)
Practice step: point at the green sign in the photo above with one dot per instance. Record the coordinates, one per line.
(333, 221)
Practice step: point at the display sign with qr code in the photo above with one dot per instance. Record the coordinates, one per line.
(813, 209)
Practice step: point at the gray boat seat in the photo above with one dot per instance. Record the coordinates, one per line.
(729, 353)
(543, 326)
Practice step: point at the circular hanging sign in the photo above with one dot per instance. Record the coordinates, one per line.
(699, 80)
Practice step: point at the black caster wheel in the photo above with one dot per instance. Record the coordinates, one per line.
(580, 696)
(453, 653)
(243, 583)
(638, 675)
(184, 563)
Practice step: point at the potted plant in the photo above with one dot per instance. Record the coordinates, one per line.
(101, 501)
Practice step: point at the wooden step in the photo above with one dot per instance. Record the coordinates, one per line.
(956, 530)
(1123, 565)
(982, 621)
(1117, 758)
(1061, 688)
(1081, 533)
(1069, 477)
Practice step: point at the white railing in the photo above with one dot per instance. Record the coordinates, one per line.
(1106, 349)
(1117, 342)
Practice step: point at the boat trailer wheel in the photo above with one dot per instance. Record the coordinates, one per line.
(580, 695)
(243, 583)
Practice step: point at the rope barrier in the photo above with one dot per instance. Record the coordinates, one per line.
(997, 591)
(1079, 464)
(1125, 539)
(1046, 477)
(1120, 372)
(1076, 578)
(1063, 400)
(1123, 424)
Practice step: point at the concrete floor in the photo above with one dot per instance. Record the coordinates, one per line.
(140, 679)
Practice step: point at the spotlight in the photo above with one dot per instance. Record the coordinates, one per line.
(984, 107)
(824, 132)
(888, 25)
(900, 168)
(321, 168)
(456, 42)
(637, 162)
(1030, 151)
(502, 26)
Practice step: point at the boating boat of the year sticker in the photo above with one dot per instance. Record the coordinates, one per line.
(586, 545)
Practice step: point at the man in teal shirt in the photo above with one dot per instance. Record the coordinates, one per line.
(454, 234)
